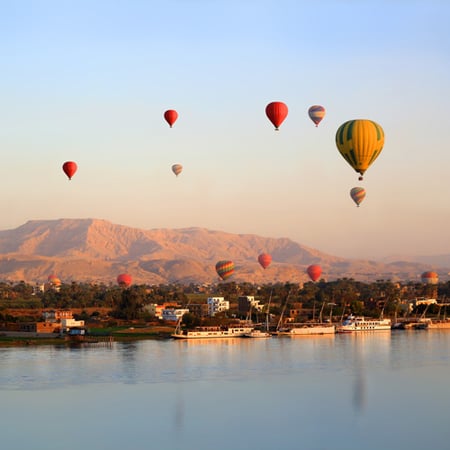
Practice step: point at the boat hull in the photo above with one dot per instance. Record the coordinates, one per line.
(257, 334)
(214, 334)
(358, 324)
(439, 325)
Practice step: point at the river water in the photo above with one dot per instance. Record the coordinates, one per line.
(367, 391)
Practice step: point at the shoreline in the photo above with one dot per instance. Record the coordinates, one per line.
(20, 339)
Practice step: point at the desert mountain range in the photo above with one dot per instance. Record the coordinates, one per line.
(93, 250)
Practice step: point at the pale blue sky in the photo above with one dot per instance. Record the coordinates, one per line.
(89, 81)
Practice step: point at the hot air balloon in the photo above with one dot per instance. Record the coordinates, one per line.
(54, 280)
(225, 269)
(358, 194)
(264, 259)
(276, 112)
(124, 280)
(314, 271)
(171, 116)
(360, 142)
(430, 278)
(177, 168)
(69, 168)
(316, 113)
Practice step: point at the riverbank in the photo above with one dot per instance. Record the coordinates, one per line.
(16, 338)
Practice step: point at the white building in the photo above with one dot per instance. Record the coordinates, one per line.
(67, 324)
(173, 315)
(247, 303)
(217, 305)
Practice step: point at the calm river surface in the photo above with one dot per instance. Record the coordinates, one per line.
(369, 391)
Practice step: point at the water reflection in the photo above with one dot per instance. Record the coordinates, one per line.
(191, 394)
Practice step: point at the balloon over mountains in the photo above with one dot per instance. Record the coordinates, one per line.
(225, 269)
(314, 271)
(264, 259)
(124, 280)
(430, 277)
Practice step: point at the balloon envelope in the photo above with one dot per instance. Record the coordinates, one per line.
(177, 168)
(225, 269)
(360, 142)
(314, 271)
(430, 278)
(54, 280)
(69, 168)
(316, 113)
(171, 116)
(264, 259)
(124, 280)
(358, 194)
(276, 112)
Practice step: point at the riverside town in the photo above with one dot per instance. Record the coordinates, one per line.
(91, 313)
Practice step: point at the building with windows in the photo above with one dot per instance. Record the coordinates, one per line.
(217, 305)
(57, 315)
(247, 303)
(199, 309)
(173, 315)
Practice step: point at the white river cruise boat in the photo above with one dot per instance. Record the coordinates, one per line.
(359, 323)
(213, 332)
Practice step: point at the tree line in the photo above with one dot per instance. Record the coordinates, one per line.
(337, 297)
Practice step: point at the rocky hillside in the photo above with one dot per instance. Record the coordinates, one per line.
(97, 250)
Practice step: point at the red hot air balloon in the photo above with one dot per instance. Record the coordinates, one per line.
(69, 168)
(225, 269)
(430, 278)
(171, 116)
(314, 271)
(264, 259)
(54, 280)
(276, 112)
(124, 280)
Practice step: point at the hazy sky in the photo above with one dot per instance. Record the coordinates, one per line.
(89, 81)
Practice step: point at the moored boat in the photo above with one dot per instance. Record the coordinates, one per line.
(439, 324)
(308, 329)
(258, 334)
(213, 332)
(360, 323)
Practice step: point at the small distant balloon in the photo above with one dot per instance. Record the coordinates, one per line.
(316, 114)
(276, 113)
(264, 259)
(225, 269)
(358, 194)
(430, 278)
(54, 280)
(69, 168)
(171, 116)
(124, 280)
(177, 169)
(314, 271)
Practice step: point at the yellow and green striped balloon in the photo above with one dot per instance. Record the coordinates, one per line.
(360, 142)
